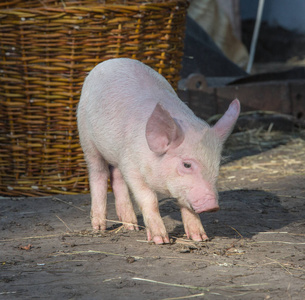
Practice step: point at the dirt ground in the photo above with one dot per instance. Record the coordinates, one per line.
(256, 248)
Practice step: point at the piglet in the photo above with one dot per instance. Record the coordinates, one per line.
(134, 129)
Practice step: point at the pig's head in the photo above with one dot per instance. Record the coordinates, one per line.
(188, 155)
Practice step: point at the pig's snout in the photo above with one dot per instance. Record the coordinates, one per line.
(210, 205)
(203, 199)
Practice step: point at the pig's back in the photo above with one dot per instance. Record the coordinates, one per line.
(118, 97)
(129, 87)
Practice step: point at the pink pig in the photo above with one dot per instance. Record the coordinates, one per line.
(135, 129)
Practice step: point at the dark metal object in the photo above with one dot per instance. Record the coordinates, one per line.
(279, 92)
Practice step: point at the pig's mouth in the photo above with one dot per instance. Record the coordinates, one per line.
(199, 211)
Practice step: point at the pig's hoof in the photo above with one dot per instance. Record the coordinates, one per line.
(196, 234)
(159, 240)
(199, 237)
(131, 227)
(98, 226)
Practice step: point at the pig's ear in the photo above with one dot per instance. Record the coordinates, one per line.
(162, 131)
(226, 123)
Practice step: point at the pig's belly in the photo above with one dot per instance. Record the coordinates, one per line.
(112, 149)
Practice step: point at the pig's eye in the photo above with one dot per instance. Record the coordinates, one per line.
(187, 165)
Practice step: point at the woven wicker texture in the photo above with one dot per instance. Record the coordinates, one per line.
(47, 49)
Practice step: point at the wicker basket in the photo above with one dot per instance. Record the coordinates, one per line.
(47, 48)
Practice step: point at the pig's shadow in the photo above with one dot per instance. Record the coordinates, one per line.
(242, 212)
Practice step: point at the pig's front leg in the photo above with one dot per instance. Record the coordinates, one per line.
(149, 206)
(192, 225)
(123, 203)
(156, 230)
(98, 179)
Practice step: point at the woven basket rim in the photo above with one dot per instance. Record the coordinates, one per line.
(134, 6)
(28, 13)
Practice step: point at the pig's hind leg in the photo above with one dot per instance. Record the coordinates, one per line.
(98, 179)
(123, 204)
